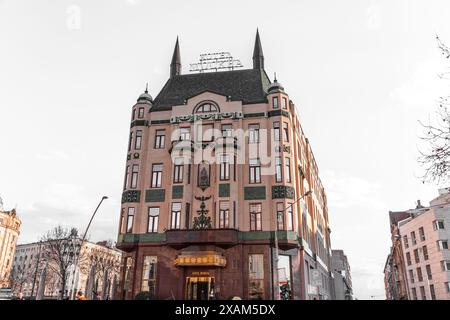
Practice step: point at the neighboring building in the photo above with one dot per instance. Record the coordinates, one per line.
(342, 276)
(98, 270)
(200, 202)
(424, 236)
(9, 232)
(395, 273)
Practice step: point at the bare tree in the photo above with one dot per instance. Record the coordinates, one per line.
(101, 266)
(436, 159)
(58, 249)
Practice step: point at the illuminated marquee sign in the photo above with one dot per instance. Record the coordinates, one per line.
(215, 61)
(215, 260)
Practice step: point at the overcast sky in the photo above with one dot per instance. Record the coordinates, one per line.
(362, 73)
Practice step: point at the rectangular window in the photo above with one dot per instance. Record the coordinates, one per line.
(429, 274)
(278, 170)
(149, 275)
(224, 214)
(175, 217)
(185, 134)
(276, 131)
(153, 218)
(413, 238)
(285, 132)
(275, 103)
(405, 242)
(280, 215)
(442, 245)
(284, 103)
(134, 176)
(408, 258)
(416, 256)
(255, 216)
(411, 276)
(422, 293)
(256, 277)
(141, 113)
(447, 286)
(157, 175)
(224, 167)
(253, 133)
(438, 225)
(289, 218)
(130, 220)
(419, 274)
(422, 234)
(178, 170)
(425, 253)
(138, 141)
(130, 141)
(414, 292)
(160, 139)
(255, 171)
(433, 293)
(133, 115)
(127, 178)
(227, 130)
(287, 169)
(122, 222)
(445, 265)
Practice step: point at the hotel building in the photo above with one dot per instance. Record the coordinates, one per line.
(9, 232)
(222, 195)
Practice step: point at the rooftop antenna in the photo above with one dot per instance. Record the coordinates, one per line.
(146, 88)
(275, 77)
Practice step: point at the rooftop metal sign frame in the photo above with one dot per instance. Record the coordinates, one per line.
(215, 61)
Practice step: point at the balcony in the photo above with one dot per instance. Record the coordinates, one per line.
(219, 237)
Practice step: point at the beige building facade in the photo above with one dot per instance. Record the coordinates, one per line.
(97, 271)
(9, 232)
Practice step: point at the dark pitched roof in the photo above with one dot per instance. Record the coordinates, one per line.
(249, 86)
(397, 216)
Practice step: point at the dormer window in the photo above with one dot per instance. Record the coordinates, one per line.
(206, 108)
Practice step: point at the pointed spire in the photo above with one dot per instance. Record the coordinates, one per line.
(258, 57)
(175, 65)
(146, 88)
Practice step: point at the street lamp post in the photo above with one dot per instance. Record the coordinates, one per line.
(276, 277)
(77, 248)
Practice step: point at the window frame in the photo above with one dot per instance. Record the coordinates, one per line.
(153, 220)
(156, 181)
(254, 171)
(160, 139)
(255, 217)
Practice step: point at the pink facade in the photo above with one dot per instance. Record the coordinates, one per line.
(424, 237)
(251, 163)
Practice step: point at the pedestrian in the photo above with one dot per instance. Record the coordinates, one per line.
(80, 296)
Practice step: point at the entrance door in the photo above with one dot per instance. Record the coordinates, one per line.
(199, 288)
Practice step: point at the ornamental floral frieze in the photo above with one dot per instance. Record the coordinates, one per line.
(207, 116)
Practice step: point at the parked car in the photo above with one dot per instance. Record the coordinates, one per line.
(6, 294)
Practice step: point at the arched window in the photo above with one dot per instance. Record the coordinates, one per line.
(206, 107)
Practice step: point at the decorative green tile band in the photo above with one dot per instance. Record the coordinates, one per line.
(254, 193)
(156, 195)
(177, 192)
(224, 190)
(283, 192)
(243, 236)
(131, 196)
